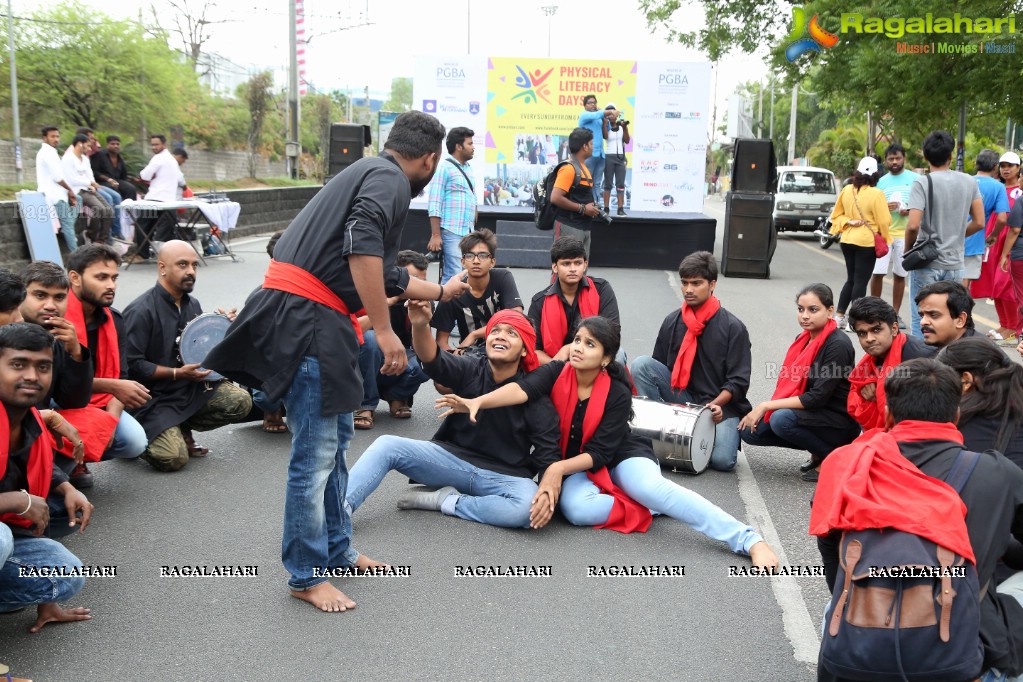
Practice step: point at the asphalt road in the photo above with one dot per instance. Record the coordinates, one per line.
(227, 509)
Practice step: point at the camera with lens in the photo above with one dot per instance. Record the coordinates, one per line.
(621, 121)
(604, 215)
(433, 256)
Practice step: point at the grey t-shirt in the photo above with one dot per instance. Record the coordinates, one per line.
(946, 221)
(1016, 220)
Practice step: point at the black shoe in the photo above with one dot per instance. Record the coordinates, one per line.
(81, 477)
(810, 476)
(621, 211)
(806, 466)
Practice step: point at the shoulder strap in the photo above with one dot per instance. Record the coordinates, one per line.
(930, 204)
(578, 171)
(962, 468)
(462, 171)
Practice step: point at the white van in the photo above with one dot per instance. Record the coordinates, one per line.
(804, 194)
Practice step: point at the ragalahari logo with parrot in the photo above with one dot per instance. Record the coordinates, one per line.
(807, 39)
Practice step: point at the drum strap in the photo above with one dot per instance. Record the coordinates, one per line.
(294, 280)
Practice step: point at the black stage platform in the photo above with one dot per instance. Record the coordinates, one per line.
(653, 241)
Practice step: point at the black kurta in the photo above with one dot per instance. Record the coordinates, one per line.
(608, 307)
(153, 325)
(71, 386)
(360, 212)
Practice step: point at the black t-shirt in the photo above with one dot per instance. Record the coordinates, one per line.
(608, 307)
(501, 439)
(826, 394)
(71, 386)
(724, 360)
(981, 433)
(471, 313)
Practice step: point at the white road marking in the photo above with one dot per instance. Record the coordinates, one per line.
(796, 619)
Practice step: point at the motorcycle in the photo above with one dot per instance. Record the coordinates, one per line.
(823, 232)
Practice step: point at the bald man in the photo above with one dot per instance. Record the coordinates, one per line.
(183, 396)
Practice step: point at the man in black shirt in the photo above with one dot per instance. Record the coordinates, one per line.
(714, 367)
(485, 471)
(924, 396)
(27, 479)
(109, 168)
(573, 194)
(556, 310)
(399, 390)
(182, 396)
(297, 338)
(489, 291)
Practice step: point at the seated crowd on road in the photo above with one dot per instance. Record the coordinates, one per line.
(539, 399)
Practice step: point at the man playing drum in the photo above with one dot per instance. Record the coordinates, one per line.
(702, 355)
(183, 397)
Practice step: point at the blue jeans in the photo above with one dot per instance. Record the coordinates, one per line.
(653, 380)
(129, 439)
(596, 165)
(17, 552)
(317, 528)
(486, 496)
(1013, 586)
(262, 401)
(375, 384)
(640, 478)
(113, 197)
(452, 263)
(918, 279)
(67, 215)
(784, 431)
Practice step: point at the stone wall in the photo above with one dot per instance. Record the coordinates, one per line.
(263, 211)
(204, 165)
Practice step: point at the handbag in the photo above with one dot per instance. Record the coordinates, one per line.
(880, 245)
(924, 251)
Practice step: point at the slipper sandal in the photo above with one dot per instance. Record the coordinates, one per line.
(994, 335)
(274, 424)
(1009, 341)
(363, 419)
(400, 409)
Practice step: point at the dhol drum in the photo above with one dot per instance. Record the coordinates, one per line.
(200, 336)
(682, 435)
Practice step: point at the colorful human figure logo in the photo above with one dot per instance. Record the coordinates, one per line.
(533, 85)
(799, 44)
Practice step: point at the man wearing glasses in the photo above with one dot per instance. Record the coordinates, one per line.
(452, 207)
(489, 291)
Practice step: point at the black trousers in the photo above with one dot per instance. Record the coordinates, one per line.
(859, 264)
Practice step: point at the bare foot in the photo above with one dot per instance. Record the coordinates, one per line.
(52, 613)
(364, 563)
(762, 556)
(325, 597)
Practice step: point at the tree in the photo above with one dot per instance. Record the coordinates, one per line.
(258, 97)
(730, 24)
(192, 25)
(401, 95)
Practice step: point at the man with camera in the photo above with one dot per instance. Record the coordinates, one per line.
(616, 136)
(573, 192)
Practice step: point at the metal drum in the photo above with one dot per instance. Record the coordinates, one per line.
(682, 435)
(200, 336)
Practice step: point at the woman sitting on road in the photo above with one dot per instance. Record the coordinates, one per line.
(808, 409)
(608, 478)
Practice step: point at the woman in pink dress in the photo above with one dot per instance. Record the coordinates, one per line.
(996, 282)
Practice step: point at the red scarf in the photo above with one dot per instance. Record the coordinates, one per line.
(796, 367)
(525, 330)
(108, 355)
(554, 323)
(95, 425)
(627, 515)
(870, 413)
(869, 484)
(696, 321)
(294, 280)
(40, 464)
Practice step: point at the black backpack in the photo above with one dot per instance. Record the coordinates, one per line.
(544, 212)
(896, 628)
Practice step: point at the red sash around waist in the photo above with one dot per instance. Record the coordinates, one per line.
(294, 280)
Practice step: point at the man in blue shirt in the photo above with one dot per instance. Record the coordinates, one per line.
(992, 193)
(596, 122)
(452, 207)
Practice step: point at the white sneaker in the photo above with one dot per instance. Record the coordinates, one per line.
(842, 323)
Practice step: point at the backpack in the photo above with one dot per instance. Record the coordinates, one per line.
(899, 628)
(544, 212)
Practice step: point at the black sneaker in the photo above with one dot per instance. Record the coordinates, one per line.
(621, 211)
(81, 477)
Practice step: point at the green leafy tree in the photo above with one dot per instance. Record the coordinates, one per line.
(401, 95)
(258, 96)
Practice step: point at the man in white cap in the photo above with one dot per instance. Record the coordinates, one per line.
(616, 135)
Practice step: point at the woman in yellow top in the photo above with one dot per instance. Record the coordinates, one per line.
(861, 211)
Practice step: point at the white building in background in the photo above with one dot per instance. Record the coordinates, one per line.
(223, 76)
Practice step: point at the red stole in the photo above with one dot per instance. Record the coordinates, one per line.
(796, 367)
(294, 280)
(870, 413)
(696, 321)
(95, 425)
(869, 484)
(40, 463)
(554, 323)
(627, 515)
(107, 356)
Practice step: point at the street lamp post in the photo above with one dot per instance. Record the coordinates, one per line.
(550, 11)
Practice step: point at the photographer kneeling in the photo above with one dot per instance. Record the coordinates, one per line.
(617, 136)
(573, 192)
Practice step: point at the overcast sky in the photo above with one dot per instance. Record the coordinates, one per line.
(359, 43)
